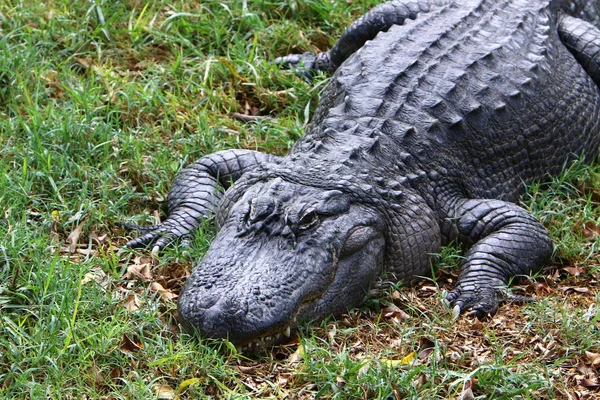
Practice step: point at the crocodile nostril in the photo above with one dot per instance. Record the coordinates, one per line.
(222, 318)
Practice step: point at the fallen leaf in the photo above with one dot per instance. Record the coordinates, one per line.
(467, 391)
(366, 364)
(164, 392)
(86, 252)
(426, 346)
(467, 395)
(541, 288)
(245, 369)
(84, 62)
(96, 373)
(477, 325)
(406, 360)
(331, 333)
(140, 272)
(188, 382)
(573, 270)
(569, 290)
(131, 303)
(591, 230)
(297, 355)
(73, 237)
(428, 289)
(166, 294)
(99, 239)
(116, 372)
(396, 391)
(96, 274)
(589, 383)
(129, 346)
(394, 314)
(594, 358)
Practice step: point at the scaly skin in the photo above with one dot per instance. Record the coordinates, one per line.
(437, 114)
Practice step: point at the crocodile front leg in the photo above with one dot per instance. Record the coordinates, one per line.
(379, 19)
(506, 241)
(195, 194)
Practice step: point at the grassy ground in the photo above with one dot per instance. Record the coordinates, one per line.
(102, 102)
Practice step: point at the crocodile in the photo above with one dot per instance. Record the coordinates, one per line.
(437, 115)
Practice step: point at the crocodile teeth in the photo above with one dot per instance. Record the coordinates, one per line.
(287, 332)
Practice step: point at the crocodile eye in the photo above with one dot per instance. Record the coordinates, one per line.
(309, 220)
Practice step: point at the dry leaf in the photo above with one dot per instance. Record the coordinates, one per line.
(396, 391)
(140, 272)
(96, 274)
(364, 368)
(331, 333)
(86, 252)
(131, 303)
(166, 294)
(573, 270)
(594, 358)
(97, 374)
(73, 237)
(477, 325)
(250, 370)
(428, 289)
(541, 288)
(297, 356)
(394, 314)
(84, 62)
(99, 239)
(164, 391)
(129, 346)
(467, 391)
(116, 372)
(589, 383)
(591, 230)
(426, 346)
(569, 290)
(467, 395)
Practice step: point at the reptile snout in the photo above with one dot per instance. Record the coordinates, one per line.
(224, 318)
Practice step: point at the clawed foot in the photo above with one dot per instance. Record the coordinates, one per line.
(161, 235)
(306, 64)
(481, 302)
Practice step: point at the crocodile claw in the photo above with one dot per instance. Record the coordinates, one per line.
(303, 65)
(481, 302)
(161, 235)
(304, 60)
(307, 64)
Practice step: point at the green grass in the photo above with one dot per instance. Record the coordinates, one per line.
(101, 103)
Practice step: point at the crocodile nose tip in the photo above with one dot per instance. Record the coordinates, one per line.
(215, 322)
(220, 320)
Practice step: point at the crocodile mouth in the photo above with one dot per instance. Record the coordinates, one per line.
(266, 341)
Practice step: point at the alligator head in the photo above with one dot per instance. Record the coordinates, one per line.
(285, 254)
